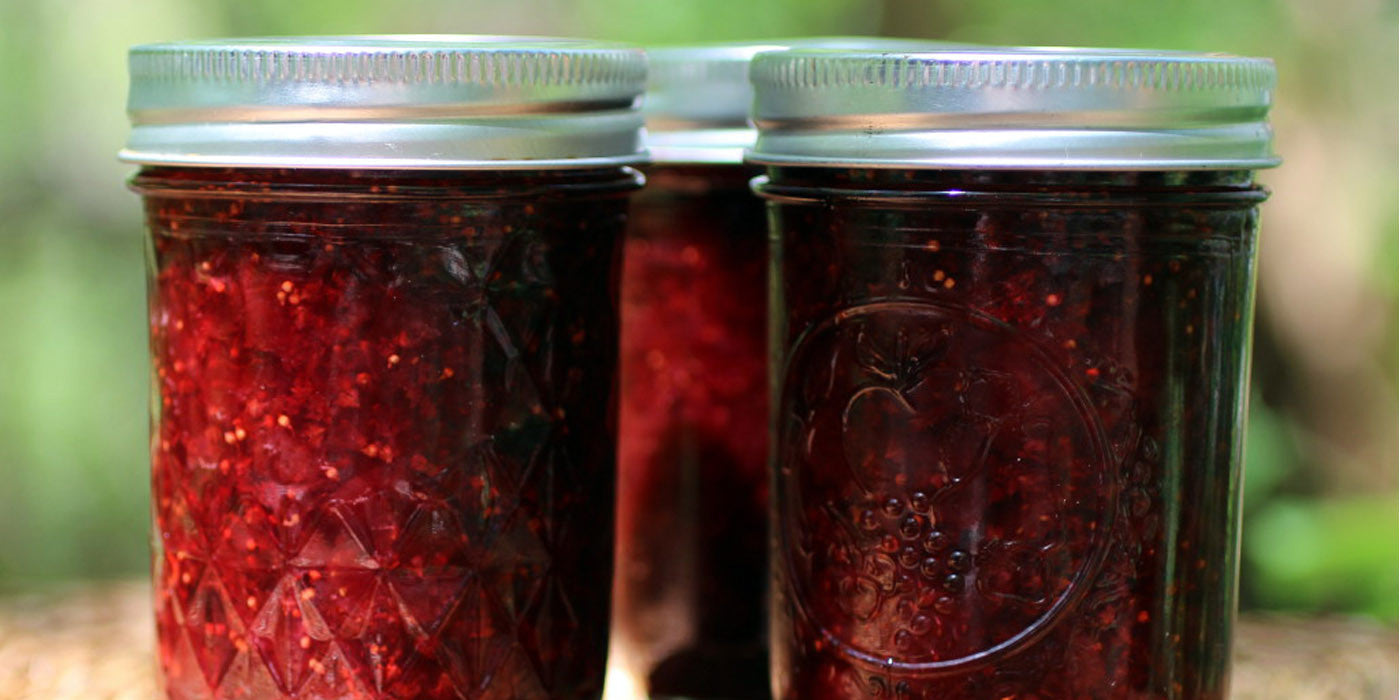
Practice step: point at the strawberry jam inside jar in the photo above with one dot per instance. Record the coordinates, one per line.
(382, 293)
(1012, 297)
(690, 582)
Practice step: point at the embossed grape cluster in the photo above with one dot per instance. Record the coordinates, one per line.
(917, 561)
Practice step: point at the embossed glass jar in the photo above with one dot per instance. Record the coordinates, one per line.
(383, 333)
(1012, 295)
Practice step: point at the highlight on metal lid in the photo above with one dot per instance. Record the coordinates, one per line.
(699, 96)
(1014, 108)
(393, 101)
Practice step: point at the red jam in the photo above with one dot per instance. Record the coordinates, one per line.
(692, 511)
(382, 440)
(1008, 431)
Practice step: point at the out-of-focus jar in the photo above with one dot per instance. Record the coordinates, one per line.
(1012, 295)
(383, 333)
(691, 576)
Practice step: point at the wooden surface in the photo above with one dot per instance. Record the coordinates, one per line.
(94, 643)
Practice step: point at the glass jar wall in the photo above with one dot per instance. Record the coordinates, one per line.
(1008, 431)
(378, 450)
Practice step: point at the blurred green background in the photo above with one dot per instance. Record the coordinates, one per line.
(1321, 515)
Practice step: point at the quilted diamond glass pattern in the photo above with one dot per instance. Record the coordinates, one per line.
(382, 441)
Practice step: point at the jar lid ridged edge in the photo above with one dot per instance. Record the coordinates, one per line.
(392, 101)
(505, 67)
(1013, 108)
(991, 70)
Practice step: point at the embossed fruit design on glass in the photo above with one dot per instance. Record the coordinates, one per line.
(383, 435)
(1009, 401)
(693, 418)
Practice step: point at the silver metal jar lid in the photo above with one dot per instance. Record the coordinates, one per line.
(395, 102)
(698, 97)
(1023, 108)
(697, 102)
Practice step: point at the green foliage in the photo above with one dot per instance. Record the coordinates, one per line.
(72, 407)
(1326, 555)
(1199, 25)
(1312, 554)
(1270, 457)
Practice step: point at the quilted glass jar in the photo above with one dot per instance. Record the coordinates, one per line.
(383, 333)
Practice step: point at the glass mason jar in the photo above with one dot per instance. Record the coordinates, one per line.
(690, 585)
(1012, 296)
(383, 333)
